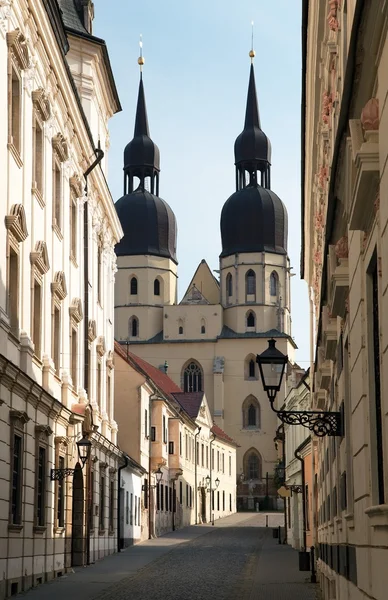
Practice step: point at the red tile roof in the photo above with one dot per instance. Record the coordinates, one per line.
(190, 402)
(163, 381)
(224, 436)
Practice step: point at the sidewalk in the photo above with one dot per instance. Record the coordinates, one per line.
(85, 583)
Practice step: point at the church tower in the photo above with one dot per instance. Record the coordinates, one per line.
(254, 266)
(146, 256)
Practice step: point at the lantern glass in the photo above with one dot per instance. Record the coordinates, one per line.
(272, 364)
(158, 475)
(84, 446)
(207, 481)
(217, 482)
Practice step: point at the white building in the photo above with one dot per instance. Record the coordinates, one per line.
(130, 509)
(56, 344)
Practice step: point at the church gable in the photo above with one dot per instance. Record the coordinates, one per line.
(205, 284)
(194, 296)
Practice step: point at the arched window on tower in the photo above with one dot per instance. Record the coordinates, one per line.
(251, 413)
(133, 327)
(250, 367)
(250, 286)
(274, 284)
(229, 286)
(251, 319)
(156, 287)
(252, 464)
(192, 377)
(203, 326)
(133, 286)
(180, 327)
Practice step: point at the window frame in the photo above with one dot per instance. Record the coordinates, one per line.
(18, 421)
(42, 434)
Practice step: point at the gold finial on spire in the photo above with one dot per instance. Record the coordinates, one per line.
(252, 53)
(140, 60)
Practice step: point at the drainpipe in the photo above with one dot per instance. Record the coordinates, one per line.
(195, 471)
(299, 457)
(211, 473)
(119, 507)
(99, 156)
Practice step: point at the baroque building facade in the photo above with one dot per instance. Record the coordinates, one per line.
(57, 267)
(211, 337)
(344, 261)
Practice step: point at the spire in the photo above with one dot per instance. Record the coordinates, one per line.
(141, 121)
(252, 118)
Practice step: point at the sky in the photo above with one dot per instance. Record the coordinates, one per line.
(196, 78)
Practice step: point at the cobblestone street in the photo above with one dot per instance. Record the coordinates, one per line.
(237, 558)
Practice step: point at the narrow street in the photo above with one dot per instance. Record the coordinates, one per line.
(237, 558)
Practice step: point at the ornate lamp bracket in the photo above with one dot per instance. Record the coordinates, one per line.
(319, 422)
(59, 474)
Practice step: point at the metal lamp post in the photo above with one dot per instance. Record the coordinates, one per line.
(272, 365)
(84, 446)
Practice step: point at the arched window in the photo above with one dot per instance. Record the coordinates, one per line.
(192, 378)
(180, 327)
(251, 413)
(156, 287)
(251, 368)
(229, 285)
(133, 327)
(203, 326)
(133, 286)
(273, 284)
(250, 283)
(252, 464)
(251, 319)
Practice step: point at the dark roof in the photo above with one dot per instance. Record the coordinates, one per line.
(254, 219)
(72, 16)
(228, 333)
(149, 226)
(161, 380)
(190, 402)
(141, 150)
(252, 144)
(220, 433)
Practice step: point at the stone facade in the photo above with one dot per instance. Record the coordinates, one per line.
(345, 212)
(47, 137)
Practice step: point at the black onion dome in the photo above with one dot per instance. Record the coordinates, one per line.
(252, 145)
(141, 150)
(149, 226)
(254, 219)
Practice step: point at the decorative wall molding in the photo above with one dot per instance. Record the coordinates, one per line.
(58, 286)
(18, 47)
(39, 257)
(16, 222)
(75, 310)
(41, 103)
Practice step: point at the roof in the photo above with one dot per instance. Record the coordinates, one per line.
(220, 433)
(70, 16)
(190, 402)
(163, 381)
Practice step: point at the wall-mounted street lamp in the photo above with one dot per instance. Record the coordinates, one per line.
(207, 481)
(272, 364)
(84, 446)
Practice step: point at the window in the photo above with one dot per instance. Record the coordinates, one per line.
(102, 501)
(153, 434)
(207, 457)
(13, 290)
(73, 356)
(164, 430)
(252, 464)
(181, 492)
(17, 466)
(180, 443)
(61, 495)
(111, 504)
(109, 407)
(37, 317)
(251, 413)
(212, 461)
(250, 283)
(171, 447)
(133, 286)
(223, 500)
(166, 496)
(229, 286)
(218, 460)
(127, 508)
(37, 157)
(131, 511)
(56, 337)
(203, 329)
(180, 330)
(251, 320)
(192, 378)
(170, 507)
(157, 497)
(18, 60)
(146, 492)
(307, 504)
(41, 487)
(15, 110)
(60, 155)
(230, 502)
(135, 510)
(138, 512)
(252, 368)
(273, 284)
(99, 272)
(218, 500)
(99, 383)
(156, 287)
(230, 466)
(202, 455)
(133, 326)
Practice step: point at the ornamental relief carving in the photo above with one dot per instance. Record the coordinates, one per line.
(17, 45)
(39, 257)
(370, 115)
(58, 286)
(41, 103)
(18, 418)
(43, 432)
(16, 223)
(75, 310)
(92, 330)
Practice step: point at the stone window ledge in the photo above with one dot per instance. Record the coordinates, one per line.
(101, 532)
(59, 530)
(338, 522)
(40, 529)
(378, 515)
(14, 527)
(349, 518)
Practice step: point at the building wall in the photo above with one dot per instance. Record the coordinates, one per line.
(349, 241)
(134, 521)
(42, 389)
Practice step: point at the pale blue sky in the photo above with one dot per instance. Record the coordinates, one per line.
(196, 79)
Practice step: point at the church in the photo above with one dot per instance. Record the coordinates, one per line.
(208, 341)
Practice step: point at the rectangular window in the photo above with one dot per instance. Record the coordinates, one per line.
(161, 497)
(169, 499)
(181, 492)
(41, 487)
(61, 495)
(207, 457)
(37, 175)
(212, 499)
(135, 510)
(180, 443)
(191, 496)
(102, 502)
(138, 511)
(164, 430)
(230, 466)
(202, 455)
(73, 226)
(171, 447)
(57, 194)
(99, 274)
(127, 508)
(187, 494)
(230, 502)
(218, 460)
(109, 408)
(153, 434)
(17, 466)
(146, 493)
(218, 500)
(111, 504)
(186, 446)
(212, 461)
(56, 341)
(73, 357)
(157, 497)
(166, 496)
(98, 383)
(37, 317)
(15, 110)
(197, 453)
(223, 500)
(146, 423)
(131, 511)
(13, 290)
